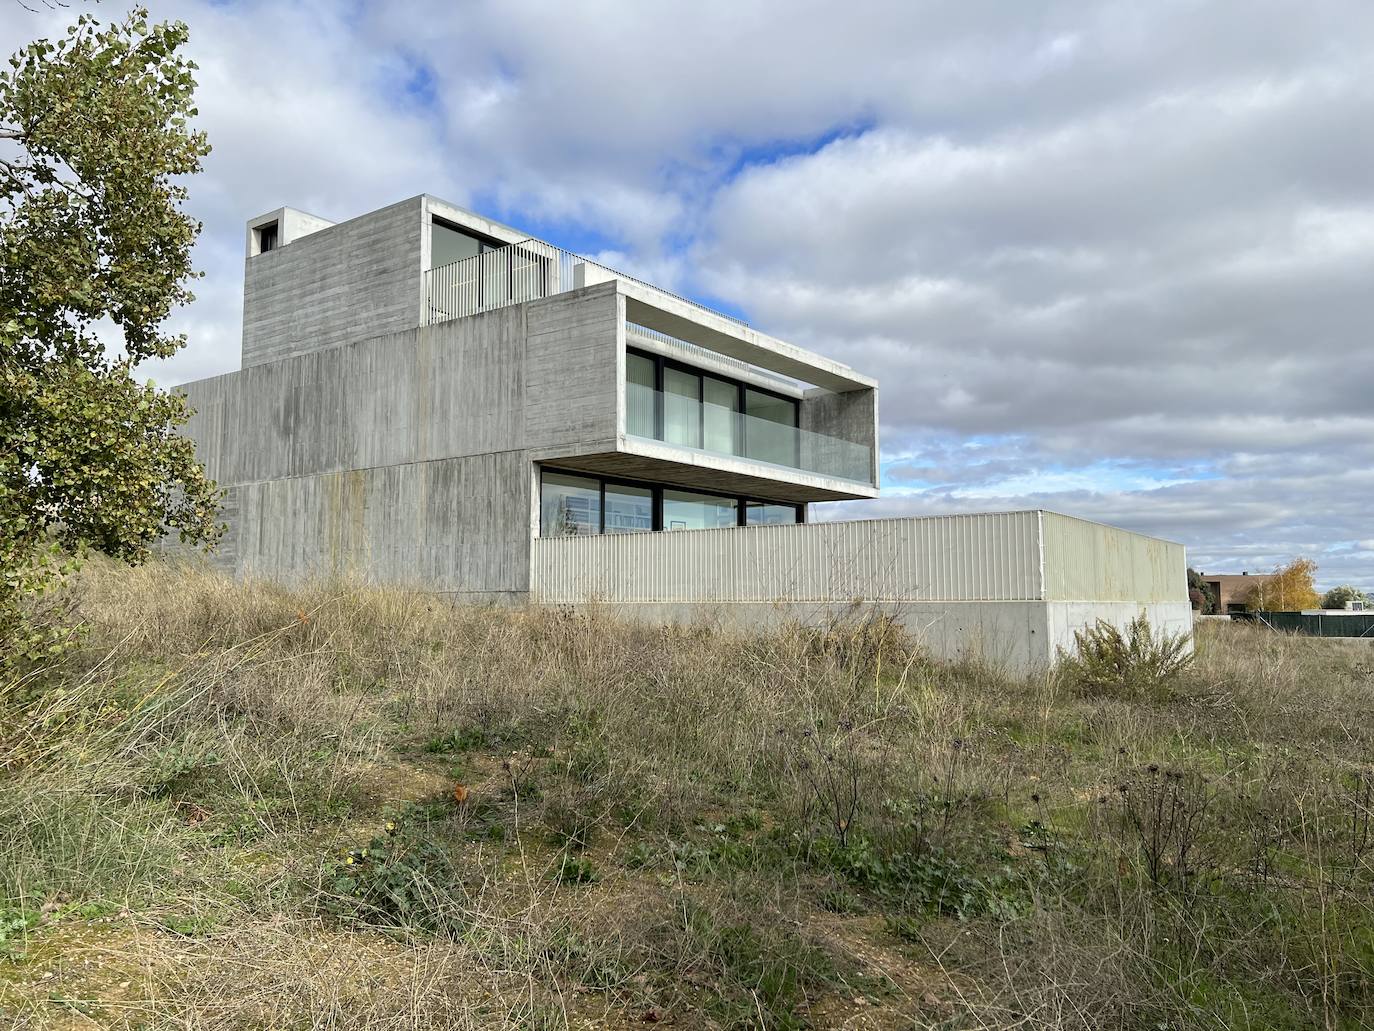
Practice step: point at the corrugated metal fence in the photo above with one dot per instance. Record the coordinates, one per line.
(1087, 561)
(1315, 624)
(986, 557)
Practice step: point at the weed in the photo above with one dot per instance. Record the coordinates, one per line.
(402, 878)
(574, 870)
(762, 976)
(1159, 816)
(1134, 664)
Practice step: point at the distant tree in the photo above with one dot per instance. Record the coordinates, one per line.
(1290, 589)
(94, 150)
(1338, 597)
(1200, 593)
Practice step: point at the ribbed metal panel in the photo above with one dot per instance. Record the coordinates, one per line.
(1086, 561)
(988, 557)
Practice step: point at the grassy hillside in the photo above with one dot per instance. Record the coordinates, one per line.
(242, 807)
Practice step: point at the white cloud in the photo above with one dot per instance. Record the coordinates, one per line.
(1123, 248)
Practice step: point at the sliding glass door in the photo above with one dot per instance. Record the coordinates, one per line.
(681, 407)
(575, 504)
(675, 403)
(770, 432)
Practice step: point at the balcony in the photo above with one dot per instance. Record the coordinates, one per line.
(721, 430)
(526, 271)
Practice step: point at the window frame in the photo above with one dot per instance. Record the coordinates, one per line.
(662, 362)
(486, 245)
(656, 490)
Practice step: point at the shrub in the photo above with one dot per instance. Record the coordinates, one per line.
(402, 878)
(1134, 664)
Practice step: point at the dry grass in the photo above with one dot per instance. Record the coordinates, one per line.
(787, 828)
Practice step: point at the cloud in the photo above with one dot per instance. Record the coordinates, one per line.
(1109, 258)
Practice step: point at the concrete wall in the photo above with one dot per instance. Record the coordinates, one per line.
(360, 278)
(409, 457)
(848, 416)
(1064, 618)
(457, 526)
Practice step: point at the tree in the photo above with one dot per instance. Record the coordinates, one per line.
(1290, 589)
(1338, 597)
(1200, 593)
(96, 145)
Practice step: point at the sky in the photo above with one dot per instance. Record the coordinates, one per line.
(1114, 259)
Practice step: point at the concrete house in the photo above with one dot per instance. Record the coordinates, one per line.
(432, 398)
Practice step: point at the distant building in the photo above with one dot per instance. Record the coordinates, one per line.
(1231, 589)
(434, 399)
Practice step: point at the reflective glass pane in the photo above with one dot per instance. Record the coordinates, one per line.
(569, 505)
(681, 407)
(720, 416)
(629, 509)
(639, 396)
(770, 432)
(757, 513)
(449, 245)
(684, 510)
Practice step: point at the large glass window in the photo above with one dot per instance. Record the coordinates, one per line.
(569, 505)
(693, 408)
(447, 245)
(770, 433)
(720, 416)
(758, 513)
(641, 419)
(572, 505)
(629, 509)
(685, 510)
(681, 407)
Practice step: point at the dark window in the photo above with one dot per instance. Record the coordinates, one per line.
(267, 238)
(629, 509)
(448, 243)
(688, 510)
(679, 404)
(569, 506)
(758, 513)
(572, 504)
(770, 428)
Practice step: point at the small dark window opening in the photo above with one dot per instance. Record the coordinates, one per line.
(267, 238)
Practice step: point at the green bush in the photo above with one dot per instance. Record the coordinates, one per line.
(402, 878)
(1134, 664)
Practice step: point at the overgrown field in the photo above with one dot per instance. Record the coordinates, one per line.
(236, 806)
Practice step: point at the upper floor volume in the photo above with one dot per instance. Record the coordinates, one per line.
(690, 385)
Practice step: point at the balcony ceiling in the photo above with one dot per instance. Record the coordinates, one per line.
(708, 475)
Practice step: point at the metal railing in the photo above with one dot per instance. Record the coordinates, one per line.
(525, 271)
(715, 429)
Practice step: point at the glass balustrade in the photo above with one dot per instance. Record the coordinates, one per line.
(677, 417)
